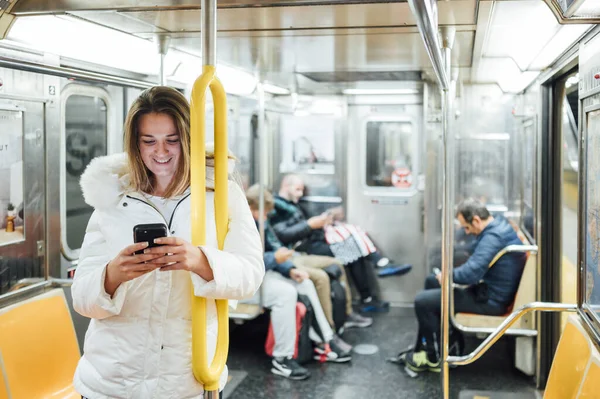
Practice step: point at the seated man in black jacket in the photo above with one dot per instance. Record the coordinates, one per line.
(489, 291)
(293, 228)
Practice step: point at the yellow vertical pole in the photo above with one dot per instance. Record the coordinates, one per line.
(207, 374)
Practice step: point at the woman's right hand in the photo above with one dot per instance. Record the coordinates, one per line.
(127, 266)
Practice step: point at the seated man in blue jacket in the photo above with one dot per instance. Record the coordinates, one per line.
(490, 291)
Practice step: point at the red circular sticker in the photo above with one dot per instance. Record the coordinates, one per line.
(402, 178)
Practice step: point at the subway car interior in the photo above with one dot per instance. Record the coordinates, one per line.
(391, 114)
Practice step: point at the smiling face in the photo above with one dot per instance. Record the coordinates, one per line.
(160, 146)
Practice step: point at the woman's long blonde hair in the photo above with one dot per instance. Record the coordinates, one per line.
(160, 100)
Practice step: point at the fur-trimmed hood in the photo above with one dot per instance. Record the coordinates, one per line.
(106, 179)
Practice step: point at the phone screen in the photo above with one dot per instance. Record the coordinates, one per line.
(147, 233)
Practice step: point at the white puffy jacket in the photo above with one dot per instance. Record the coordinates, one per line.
(138, 344)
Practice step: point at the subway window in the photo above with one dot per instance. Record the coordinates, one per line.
(529, 186)
(85, 138)
(592, 213)
(390, 154)
(483, 169)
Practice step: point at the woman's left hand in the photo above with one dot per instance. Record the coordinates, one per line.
(181, 255)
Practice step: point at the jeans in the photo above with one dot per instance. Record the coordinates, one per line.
(428, 310)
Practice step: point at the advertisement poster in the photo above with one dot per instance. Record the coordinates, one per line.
(11, 176)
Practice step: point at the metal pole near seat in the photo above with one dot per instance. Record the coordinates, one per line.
(447, 210)
(206, 374)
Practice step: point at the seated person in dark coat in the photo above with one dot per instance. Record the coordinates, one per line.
(490, 291)
(294, 228)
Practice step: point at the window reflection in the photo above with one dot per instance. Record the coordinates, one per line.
(390, 154)
(529, 167)
(592, 210)
(85, 139)
(483, 169)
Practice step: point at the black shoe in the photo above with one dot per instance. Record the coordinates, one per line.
(374, 305)
(331, 353)
(400, 358)
(289, 368)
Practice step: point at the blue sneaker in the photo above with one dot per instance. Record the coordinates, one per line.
(374, 305)
(394, 270)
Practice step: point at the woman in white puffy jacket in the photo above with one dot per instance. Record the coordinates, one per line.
(138, 344)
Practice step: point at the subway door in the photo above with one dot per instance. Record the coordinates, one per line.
(22, 191)
(384, 198)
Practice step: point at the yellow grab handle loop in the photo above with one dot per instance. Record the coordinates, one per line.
(205, 374)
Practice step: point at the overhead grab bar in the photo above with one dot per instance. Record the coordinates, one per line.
(206, 374)
(501, 329)
(425, 13)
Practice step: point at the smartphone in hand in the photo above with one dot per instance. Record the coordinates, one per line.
(147, 233)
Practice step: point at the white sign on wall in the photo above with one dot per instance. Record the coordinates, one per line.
(11, 176)
(307, 143)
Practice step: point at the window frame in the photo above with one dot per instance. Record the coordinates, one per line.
(391, 190)
(530, 122)
(589, 309)
(74, 89)
(21, 111)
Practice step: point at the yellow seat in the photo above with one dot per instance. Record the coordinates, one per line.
(3, 387)
(591, 384)
(570, 364)
(39, 348)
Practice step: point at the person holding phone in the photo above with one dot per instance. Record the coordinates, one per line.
(138, 344)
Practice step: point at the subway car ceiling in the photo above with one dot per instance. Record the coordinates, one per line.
(303, 47)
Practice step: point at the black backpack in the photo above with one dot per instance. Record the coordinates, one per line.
(338, 297)
(338, 301)
(305, 345)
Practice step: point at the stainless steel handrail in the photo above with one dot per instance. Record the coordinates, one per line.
(429, 35)
(24, 290)
(517, 332)
(513, 249)
(70, 72)
(510, 320)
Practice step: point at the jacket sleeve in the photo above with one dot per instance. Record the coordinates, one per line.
(282, 268)
(238, 269)
(476, 266)
(290, 232)
(89, 296)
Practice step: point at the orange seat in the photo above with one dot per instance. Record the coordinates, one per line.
(39, 348)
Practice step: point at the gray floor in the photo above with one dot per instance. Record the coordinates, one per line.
(371, 376)
(367, 376)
